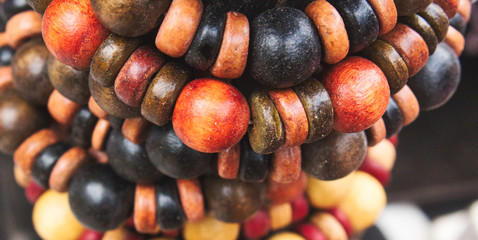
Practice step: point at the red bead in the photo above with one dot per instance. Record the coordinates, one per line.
(394, 140)
(33, 191)
(375, 169)
(343, 220)
(300, 208)
(91, 235)
(359, 92)
(72, 32)
(171, 233)
(257, 226)
(210, 115)
(310, 232)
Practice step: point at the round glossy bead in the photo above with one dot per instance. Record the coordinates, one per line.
(192, 200)
(359, 92)
(327, 194)
(169, 212)
(39, 5)
(386, 12)
(81, 32)
(6, 55)
(335, 156)
(8, 8)
(285, 48)
(70, 82)
(409, 7)
(437, 18)
(129, 160)
(83, 124)
(449, 6)
(421, 26)
(29, 72)
(459, 22)
(99, 198)
(45, 161)
(210, 228)
(232, 200)
(393, 119)
(144, 215)
(160, 98)
(253, 166)
(66, 167)
(210, 115)
(130, 18)
(53, 219)
(206, 43)
(170, 156)
(434, 86)
(360, 21)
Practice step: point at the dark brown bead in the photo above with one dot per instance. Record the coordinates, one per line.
(422, 27)
(158, 102)
(110, 58)
(253, 166)
(393, 119)
(29, 72)
(318, 107)
(335, 156)
(84, 123)
(232, 200)
(169, 212)
(70, 82)
(438, 19)
(409, 7)
(376, 133)
(390, 62)
(39, 5)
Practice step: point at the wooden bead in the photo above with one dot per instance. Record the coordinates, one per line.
(386, 13)
(144, 214)
(334, 157)
(160, 98)
(66, 167)
(280, 216)
(98, 156)
(359, 92)
(21, 177)
(464, 8)
(210, 228)
(132, 80)
(450, 6)
(228, 162)
(378, 172)
(120, 233)
(437, 18)
(29, 72)
(26, 153)
(267, 133)
(19, 119)
(360, 21)
(408, 104)
(251, 8)
(376, 133)
(169, 213)
(33, 191)
(343, 220)
(318, 107)
(99, 134)
(253, 166)
(192, 200)
(286, 164)
(286, 236)
(310, 232)
(331, 29)
(39, 5)
(285, 48)
(135, 129)
(45, 161)
(455, 40)
(91, 235)
(422, 27)
(23, 26)
(327, 194)
(82, 128)
(96, 110)
(81, 32)
(459, 23)
(393, 119)
(99, 198)
(257, 226)
(173, 158)
(207, 42)
(329, 226)
(130, 160)
(390, 62)
(6, 81)
(384, 154)
(411, 46)
(53, 219)
(210, 115)
(409, 7)
(70, 82)
(232, 59)
(130, 18)
(364, 202)
(434, 86)
(6, 55)
(232, 200)
(110, 57)
(278, 193)
(179, 26)
(61, 108)
(300, 208)
(292, 114)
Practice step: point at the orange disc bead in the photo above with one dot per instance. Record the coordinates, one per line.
(62, 109)
(192, 200)
(27, 152)
(359, 92)
(66, 167)
(449, 6)
(386, 12)
(455, 40)
(286, 164)
(72, 32)
(22, 26)
(210, 115)
(144, 215)
(228, 162)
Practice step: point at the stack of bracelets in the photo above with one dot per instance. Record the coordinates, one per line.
(217, 119)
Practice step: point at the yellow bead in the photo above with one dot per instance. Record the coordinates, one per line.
(384, 153)
(286, 236)
(53, 218)
(280, 216)
(117, 234)
(329, 226)
(210, 228)
(365, 201)
(327, 194)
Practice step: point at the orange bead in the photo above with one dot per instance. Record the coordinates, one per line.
(135, 129)
(286, 164)
(278, 193)
(408, 104)
(22, 26)
(66, 167)
(100, 132)
(450, 6)
(62, 109)
(26, 153)
(386, 12)
(210, 115)
(192, 199)
(228, 162)
(144, 215)
(6, 81)
(280, 216)
(96, 110)
(455, 40)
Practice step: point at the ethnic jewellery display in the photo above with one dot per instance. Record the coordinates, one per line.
(217, 119)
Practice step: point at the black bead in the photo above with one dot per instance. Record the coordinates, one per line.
(12, 7)
(99, 198)
(253, 166)
(45, 161)
(250, 8)
(6, 55)
(207, 42)
(169, 212)
(459, 23)
(284, 48)
(360, 21)
(130, 160)
(393, 118)
(299, 4)
(436, 83)
(173, 158)
(116, 122)
(84, 123)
